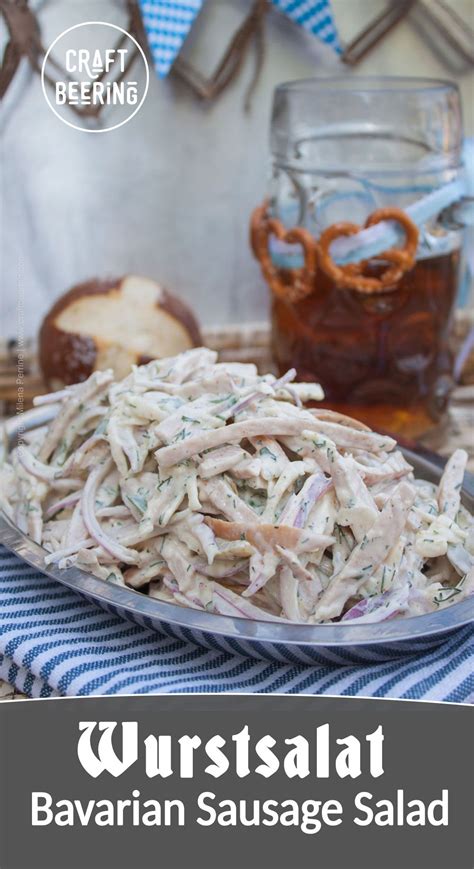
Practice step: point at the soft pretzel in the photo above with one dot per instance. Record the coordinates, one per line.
(350, 276)
(300, 281)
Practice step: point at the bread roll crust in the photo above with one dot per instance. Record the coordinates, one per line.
(77, 338)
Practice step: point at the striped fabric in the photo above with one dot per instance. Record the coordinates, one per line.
(55, 643)
(168, 22)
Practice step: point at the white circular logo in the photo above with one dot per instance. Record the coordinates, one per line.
(89, 77)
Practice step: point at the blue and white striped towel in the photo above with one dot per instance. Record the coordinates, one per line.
(54, 643)
(168, 22)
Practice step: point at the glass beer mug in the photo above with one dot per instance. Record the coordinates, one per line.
(347, 153)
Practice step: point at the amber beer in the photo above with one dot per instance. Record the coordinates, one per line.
(347, 153)
(384, 358)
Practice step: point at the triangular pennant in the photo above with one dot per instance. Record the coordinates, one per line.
(315, 16)
(167, 24)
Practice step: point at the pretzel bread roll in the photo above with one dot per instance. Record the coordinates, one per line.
(112, 324)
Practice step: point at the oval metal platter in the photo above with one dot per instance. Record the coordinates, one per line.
(284, 643)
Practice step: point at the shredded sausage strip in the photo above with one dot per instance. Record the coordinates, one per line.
(207, 485)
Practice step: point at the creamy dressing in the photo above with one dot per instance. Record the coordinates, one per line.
(205, 484)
